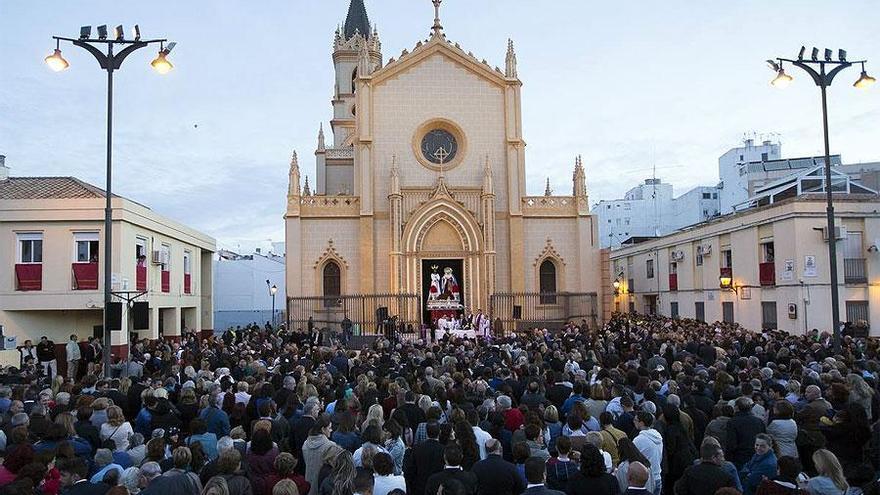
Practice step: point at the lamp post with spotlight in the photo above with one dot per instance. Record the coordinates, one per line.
(273, 289)
(110, 62)
(817, 70)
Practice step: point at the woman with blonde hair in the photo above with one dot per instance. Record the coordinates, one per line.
(830, 480)
(116, 428)
(216, 486)
(375, 415)
(285, 487)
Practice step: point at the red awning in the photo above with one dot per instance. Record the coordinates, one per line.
(30, 276)
(85, 276)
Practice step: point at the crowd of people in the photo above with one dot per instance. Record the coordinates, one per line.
(643, 406)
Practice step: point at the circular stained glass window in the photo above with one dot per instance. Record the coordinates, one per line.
(439, 146)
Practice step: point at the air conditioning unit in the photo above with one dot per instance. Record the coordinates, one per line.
(156, 258)
(839, 233)
(704, 249)
(677, 255)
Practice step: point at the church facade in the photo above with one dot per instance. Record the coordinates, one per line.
(422, 190)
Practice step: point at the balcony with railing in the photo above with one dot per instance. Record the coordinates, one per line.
(29, 276)
(767, 273)
(854, 271)
(673, 281)
(85, 276)
(141, 277)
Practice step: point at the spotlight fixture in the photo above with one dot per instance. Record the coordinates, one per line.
(782, 79)
(801, 53)
(161, 63)
(55, 61)
(119, 33)
(136, 32)
(828, 53)
(815, 55)
(102, 32)
(864, 79)
(85, 32)
(841, 55)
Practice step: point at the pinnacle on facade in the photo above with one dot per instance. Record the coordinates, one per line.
(293, 176)
(488, 186)
(395, 176)
(307, 191)
(364, 65)
(437, 28)
(547, 190)
(321, 146)
(357, 22)
(579, 178)
(510, 61)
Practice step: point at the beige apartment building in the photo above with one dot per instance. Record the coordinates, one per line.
(765, 267)
(51, 274)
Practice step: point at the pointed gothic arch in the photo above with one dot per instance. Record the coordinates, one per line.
(330, 274)
(549, 269)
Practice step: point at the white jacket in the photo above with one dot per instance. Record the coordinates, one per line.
(650, 444)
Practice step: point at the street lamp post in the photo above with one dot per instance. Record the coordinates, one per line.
(273, 289)
(817, 70)
(110, 62)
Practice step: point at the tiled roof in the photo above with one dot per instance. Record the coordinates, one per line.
(47, 188)
(357, 20)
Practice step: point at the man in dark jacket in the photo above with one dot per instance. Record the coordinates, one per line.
(742, 429)
(452, 455)
(536, 475)
(73, 478)
(423, 460)
(414, 413)
(497, 476)
(706, 477)
(299, 430)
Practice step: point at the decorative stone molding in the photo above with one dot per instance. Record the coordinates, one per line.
(340, 153)
(330, 206)
(555, 206)
(330, 253)
(550, 252)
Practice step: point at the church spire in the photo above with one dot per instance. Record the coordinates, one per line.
(547, 190)
(437, 28)
(293, 176)
(357, 21)
(510, 61)
(321, 146)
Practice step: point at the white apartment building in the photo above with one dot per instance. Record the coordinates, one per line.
(775, 257)
(241, 293)
(51, 274)
(650, 210)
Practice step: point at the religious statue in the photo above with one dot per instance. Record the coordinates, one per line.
(449, 286)
(434, 290)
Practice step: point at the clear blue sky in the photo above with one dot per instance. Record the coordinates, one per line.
(626, 84)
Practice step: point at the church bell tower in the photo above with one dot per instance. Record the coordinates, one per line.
(355, 36)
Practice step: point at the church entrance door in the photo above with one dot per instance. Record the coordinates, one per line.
(443, 289)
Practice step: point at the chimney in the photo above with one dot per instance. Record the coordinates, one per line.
(258, 250)
(4, 170)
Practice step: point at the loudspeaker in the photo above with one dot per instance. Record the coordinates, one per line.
(140, 314)
(114, 316)
(517, 312)
(381, 313)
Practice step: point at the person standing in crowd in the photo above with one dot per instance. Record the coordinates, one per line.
(761, 465)
(707, 476)
(46, 356)
(742, 429)
(73, 356)
(497, 476)
(650, 444)
(27, 351)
